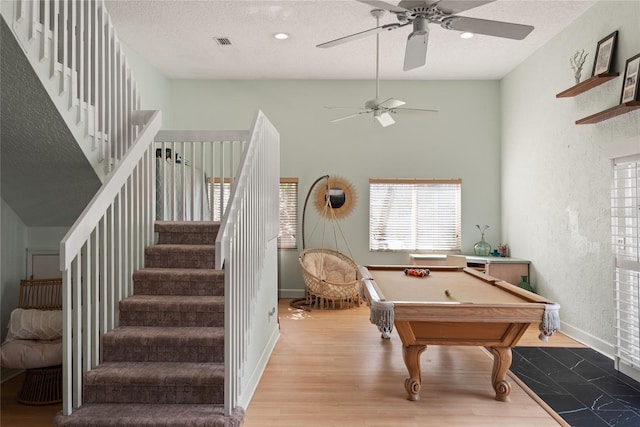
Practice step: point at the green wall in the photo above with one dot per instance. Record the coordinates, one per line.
(461, 140)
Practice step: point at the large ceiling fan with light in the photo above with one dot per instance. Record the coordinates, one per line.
(441, 12)
(381, 109)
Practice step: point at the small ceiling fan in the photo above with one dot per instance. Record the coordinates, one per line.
(441, 12)
(381, 109)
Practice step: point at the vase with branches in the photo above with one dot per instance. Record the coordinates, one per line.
(577, 62)
(482, 248)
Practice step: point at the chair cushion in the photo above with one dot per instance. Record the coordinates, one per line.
(35, 325)
(329, 267)
(29, 354)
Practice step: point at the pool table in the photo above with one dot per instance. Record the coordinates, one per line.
(453, 306)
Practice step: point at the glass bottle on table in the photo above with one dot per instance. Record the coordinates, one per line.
(524, 284)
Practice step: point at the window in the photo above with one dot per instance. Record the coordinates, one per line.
(414, 214)
(625, 229)
(288, 208)
(288, 213)
(214, 193)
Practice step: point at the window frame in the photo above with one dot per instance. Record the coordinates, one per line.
(213, 192)
(409, 228)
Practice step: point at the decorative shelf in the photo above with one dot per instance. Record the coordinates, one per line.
(587, 84)
(609, 113)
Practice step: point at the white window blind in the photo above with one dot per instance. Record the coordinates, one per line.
(214, 193)
(288, 213)
(288, 208)
(414, 214)
(625, 205)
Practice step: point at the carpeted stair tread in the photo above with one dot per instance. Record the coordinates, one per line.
(179, 247)
(172, 310)
(186, 232)
(185, 226)
(128, 373)
(151, 415)
(175, 302)
(178, 281)
(163, 344)
(180, 256)
(168, 335)
(187, 274)
(155, 382)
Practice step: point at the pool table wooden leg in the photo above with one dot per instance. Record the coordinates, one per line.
(501, 364)
(411, 355)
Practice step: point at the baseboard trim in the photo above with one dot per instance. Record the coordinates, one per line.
(252, 384)
(291, 293)
(587, 339)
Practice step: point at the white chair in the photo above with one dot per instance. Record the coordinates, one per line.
(34, 341)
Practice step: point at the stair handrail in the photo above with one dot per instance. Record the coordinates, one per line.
(100, 252)
(260, 131)
(246, 247)
(74, 48)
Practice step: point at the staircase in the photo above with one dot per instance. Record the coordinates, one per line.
(164, 363)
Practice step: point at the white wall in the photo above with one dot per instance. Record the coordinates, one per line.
(17, 239)
(13, 262)
(556, 175)
(153, 86)
(462, 140)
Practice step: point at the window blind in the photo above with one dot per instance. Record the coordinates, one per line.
(288, 207)
(214, 196)
(625, 203)
(288, 213)
(414, 214)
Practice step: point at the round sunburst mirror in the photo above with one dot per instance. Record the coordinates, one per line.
(335, 197)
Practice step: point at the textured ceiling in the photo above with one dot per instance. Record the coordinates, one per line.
(178, 38)
(46, 178)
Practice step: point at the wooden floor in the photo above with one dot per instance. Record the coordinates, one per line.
(330, 368)
(14, 414)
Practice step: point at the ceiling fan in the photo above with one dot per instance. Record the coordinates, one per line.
(381, 109)
(441, 12)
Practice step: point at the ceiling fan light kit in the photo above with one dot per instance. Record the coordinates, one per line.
(384, 119)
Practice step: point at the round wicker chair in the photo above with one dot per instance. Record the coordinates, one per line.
(330, 279)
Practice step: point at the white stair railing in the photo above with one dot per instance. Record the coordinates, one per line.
(196, 172)
(99, 255)
(246, 247)
(73, 46)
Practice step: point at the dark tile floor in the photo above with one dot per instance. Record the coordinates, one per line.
(580, 384)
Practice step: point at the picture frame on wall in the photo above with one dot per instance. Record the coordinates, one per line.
(630, 81)
(605, 53)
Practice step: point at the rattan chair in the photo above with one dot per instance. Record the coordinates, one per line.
(330, 279)
(41, 386)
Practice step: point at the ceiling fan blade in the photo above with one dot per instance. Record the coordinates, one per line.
(362, 34)
(384, 5)
(339, 119)
(391, 103)
(346, 108)
(490, 28)
(384, 119)
(413, 110)
(415, 54)
(457, 6)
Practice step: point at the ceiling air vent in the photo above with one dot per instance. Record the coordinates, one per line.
(223, 41)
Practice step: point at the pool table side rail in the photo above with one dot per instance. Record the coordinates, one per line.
(363, 272)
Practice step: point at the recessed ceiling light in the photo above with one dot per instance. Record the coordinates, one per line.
(281, 36)
(466, 35)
